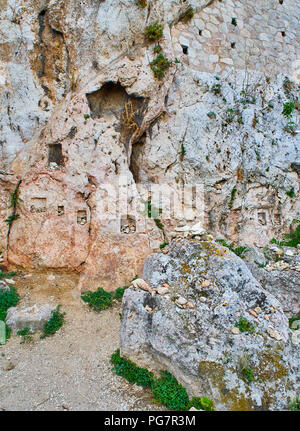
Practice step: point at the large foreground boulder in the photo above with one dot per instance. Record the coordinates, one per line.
(186, 323)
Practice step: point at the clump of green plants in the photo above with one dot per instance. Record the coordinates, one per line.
(141, 3)
(169, 392)
(288, 109)
(291, 193)
(294, 319)
(157, 49)
(163, 245)
(154, 31)
(130, 371)
(54, 323)
(86, 116)
(187, 15)
(99, 300)
(236, 250)
(245, 326)
(8, 298)
(159, 66)
(234, 22)
(216, 89)
(165, 389)
(290, 128)
(294, 405)
(290, 239)
(10, 274)
(119, 292)
(202, 403)
(26, 333)
(247, 373)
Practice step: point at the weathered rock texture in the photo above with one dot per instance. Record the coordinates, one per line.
(191, 330)
(34, 317)
(80, 107)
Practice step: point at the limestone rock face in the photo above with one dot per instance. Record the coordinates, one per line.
(82, 113)
(198, 345)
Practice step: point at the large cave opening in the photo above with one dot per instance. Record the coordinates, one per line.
(125, 111)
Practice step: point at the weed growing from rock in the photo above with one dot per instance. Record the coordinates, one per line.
(169, 392)
(187, 15)
(154, 31)
(202, 403)
(248, 374)
(159, 66)
(54, 323)
(26, 333)
(288, 109)
(165, 389)
(245, 326)
(131, 372)
(291, 193)
(236, 250)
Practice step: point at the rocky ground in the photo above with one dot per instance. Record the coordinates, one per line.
(70, 370)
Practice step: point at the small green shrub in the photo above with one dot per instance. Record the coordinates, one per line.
(202, 403)
(169, 392)
(236, 250)
(294, 405)
(216, 89)
(154, 31)
(163, 245)
(248, 374)
(119, 292)
(291, 193)
(99, 300)
(159, 66)
(86, 116)
(294, 319)
(54, 323)
(127, 369)
(234, 22)
(157, 49)
(187, 15)
(245, 326)
(7, 274)
(26, 333)
(288, 109)
(8, 298)
(141, 3)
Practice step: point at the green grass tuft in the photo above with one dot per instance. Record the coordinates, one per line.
(132, 373)
(99, 300)
(54, 323)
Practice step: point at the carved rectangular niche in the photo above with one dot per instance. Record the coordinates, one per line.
(128, 224)
(55, 156)
(262, 218)
(81, 217)
(38, 205)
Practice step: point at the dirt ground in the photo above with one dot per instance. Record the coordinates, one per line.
(69, 370)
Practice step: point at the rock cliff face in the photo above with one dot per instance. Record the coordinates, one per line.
(82, 113)
(207, 320)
